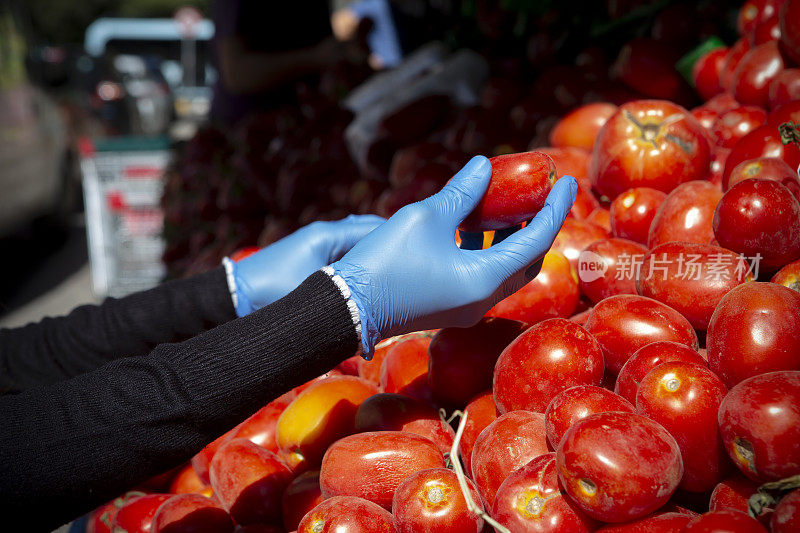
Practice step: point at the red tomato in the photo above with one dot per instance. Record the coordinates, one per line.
(784, 88)
(136, 516)
(260, 427)
(241, 253)
(506, 444)
(754, 73)
(202, 460)
(705, 117)
(570, 161)
(767, 31)
(767, 168)
(102, 518)
(764, 141)
(786, 517)
(732, 125)
(573, 238)
(657, 522)
(395, 412)
(648, 67)
(718, 159)
(585, 202)
(684, 398)
(753, 331)
(760, 218)
(372, 465)
(405, 368)
(788, 276)
(188, 482)
(431, 500)
(549, 357)
(580, 127)
(576, 403)
(649, 143)
(760, 424)
(733, 493)
(735, 55)
(481, 411)
(371, 370)
(530, 500)
(722, 102)
(249, 481)
(347, 514)
(191, 513)
(301, 496)
(647, 358)
(789, 19)
(462, 359)
(691, 278)
(600, 464)
(686, 215)
(633, 211)
(517, 191)
(622, 324)
(724, 520)
(706, 72)
(600, 217)
(608, 267)
(552, 293)
(755, 12)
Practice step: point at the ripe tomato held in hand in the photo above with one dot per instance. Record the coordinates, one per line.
(431, 500)
(531, 500)
(600, 465)
(517, 191)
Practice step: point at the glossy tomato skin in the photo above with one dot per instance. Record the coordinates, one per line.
(371, 370)
(431, 500)
(608, 267)
(530, 500)
(517, 191)
(753, 74)
(633, 211)
(585, 203)
(102, 518)
(573, 238)
(580, 127)
(707, 70)
(600, 217)
(576, 403)
(647, 358)
(462, 359)
(735, 55)
(506, 444)
(191, 513)
(481, 411)
(691, 278)
(753, 331)
(249, 481)
(347, 514)
(759, 216)
(657, 522)
(300, 497)
(372, 465)
(405, 368)
(600, 465)
(719, 157)
(768, 168)
(684, 398)
(260, 427)
(188, 482)
(789, 112)
(686, 215)
(784, 88)
(732, 493)
(724, 520)
(137, 515)
(570, 161)
(755, 12)
(552, 293)
(549, 357)
(623, 324)
(786, 517)
(760, 424)
(764, 141)
(649, 143)
(732, 125)
(789, 20)
(395, 412)
(788, 276)
(319, 416)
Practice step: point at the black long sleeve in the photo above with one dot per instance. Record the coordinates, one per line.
(90, 336)
(72, 445)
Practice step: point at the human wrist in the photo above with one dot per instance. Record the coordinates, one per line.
(237, 287)
(366, 325)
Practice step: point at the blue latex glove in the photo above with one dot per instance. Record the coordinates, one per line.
(409, 275)
(276, 270)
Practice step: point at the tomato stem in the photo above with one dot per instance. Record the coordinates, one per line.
(769, 494)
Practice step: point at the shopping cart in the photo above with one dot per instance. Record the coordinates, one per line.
(122, 184)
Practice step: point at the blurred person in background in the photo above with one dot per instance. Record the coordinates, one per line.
(383, 39)
(264, 48)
